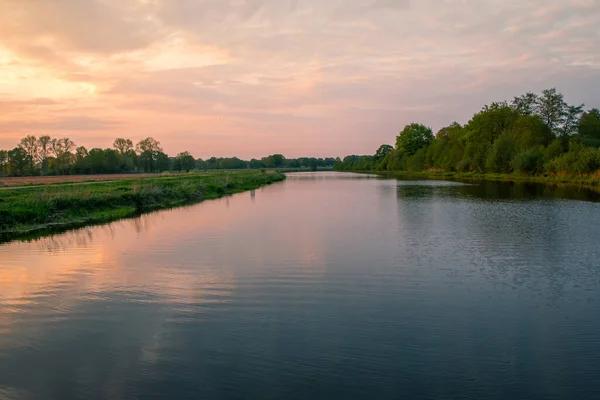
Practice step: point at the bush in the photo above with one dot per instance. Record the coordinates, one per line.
(587, 161)
(397, 162)
(414, 137)
(464, 165)
(501, 155)
(554, 150)
(591, 142)
(417, 161)
(579, 160)
(528, 162)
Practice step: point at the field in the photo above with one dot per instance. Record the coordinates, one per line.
(46, 180)
(53, 206)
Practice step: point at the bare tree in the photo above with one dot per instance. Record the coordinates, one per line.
(31, 146)
(123, 145)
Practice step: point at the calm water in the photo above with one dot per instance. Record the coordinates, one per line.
(331, 286)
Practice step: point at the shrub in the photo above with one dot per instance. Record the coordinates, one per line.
(501, 155)
(531, 161)
(417, 161)
(579, 160)
(463, 165)
(554, 150)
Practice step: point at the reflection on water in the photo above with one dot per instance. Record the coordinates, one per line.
(501, 190)
(327, 285)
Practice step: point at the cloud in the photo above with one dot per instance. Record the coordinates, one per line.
(79, 25)
(332, 76)
(60, 125)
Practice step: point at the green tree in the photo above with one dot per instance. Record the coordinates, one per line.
(3, 162)
(491, 122)
(528, 136)
(589, 127)
(338, 165)
(578, 160)
(125, 150)
(278, 160)
(123, 146)
(112, 159)
(184, 161)
(274, 161)
(413, 137)
(447, 149)
(381, 157)
(95, 160)
(212, 163)
(571, 118)
(529, 132)
(31, 146)
(256, 164)
(45, 150)
(149, 150)
(236, 163)
(554, 150)
(384, 164)
(163, 162)
(417, 161)
(18, 160)
(130, 161)
(529, 161)
(81, 154)
(501, 155)
(383, 151)
(525, 104)
(481, 132)
(200, 164)
(551, 108)
(62, 149)
(44, 143)
(176, 164)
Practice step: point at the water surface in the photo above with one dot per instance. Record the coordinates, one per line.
(327, 285)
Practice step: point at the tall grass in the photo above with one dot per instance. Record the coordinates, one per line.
(27, 209)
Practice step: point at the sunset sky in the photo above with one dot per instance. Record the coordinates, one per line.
(299, 77)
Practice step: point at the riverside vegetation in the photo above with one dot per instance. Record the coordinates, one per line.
(44, 156)
(25, 211)
(534, 137)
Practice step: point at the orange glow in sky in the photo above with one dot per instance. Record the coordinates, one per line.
(298, 77)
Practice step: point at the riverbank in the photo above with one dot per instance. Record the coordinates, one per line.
(591, 182)
(30, 211)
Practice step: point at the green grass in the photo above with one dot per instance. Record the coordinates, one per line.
(586, 181)
(304, 169)
(57, 206)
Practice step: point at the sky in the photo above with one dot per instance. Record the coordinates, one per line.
(249, 78)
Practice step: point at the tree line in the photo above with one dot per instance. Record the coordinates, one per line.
(532, 134)
(61, 156)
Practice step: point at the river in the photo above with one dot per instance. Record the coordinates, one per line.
(325, 286)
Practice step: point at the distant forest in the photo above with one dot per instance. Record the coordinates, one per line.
(48, 156)
(532, 134)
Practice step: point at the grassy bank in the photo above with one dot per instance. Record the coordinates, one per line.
(587, 181)
(26, 211)
(319, 169)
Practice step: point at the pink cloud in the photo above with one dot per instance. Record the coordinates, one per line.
(299, 77)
